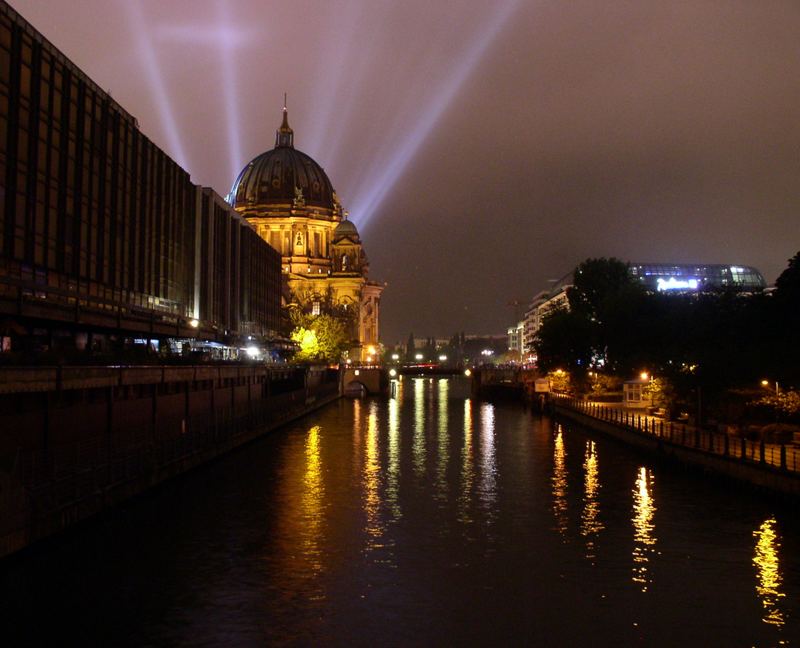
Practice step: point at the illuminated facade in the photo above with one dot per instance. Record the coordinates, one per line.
(668, 278)
(101, 232)
(288, 198)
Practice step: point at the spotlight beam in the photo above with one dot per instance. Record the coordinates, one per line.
(147, 52)
(365, 205)
(227, 46)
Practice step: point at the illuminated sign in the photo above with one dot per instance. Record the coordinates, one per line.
(676, 284)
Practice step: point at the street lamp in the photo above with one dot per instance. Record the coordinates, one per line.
(765, 383)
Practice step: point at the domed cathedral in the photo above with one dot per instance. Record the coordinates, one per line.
(290, 201)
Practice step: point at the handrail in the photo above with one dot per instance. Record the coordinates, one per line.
(774, 455)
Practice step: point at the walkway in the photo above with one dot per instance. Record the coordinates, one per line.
(780, 456)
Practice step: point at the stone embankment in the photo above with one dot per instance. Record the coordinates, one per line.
(769, 466)
(77, 440)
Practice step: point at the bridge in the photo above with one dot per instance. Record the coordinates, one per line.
(359, 381)
(514, 381)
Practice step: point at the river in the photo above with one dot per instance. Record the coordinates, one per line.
(427, 518)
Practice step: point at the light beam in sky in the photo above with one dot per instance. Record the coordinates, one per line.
(147, 52)
(366, 203)
(228, 38)
(227, 43)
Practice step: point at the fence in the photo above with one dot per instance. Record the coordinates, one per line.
(731, 447)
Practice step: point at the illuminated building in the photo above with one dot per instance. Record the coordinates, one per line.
(690, 277)
(515, 335)
(289, 199)
(668, 278)
(103, 234)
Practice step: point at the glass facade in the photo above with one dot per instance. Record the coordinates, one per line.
(93, 214)
(690, 277)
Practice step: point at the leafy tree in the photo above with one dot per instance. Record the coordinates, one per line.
(786, 323)
(410, 347)
(564, 341)
(322, 338)
(788, 283)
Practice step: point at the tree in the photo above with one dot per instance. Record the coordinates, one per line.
(788, 283)
(564, 341)
(322, 338)
(410, 347)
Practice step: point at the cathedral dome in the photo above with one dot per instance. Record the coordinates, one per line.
(282, 175)
(345, 229)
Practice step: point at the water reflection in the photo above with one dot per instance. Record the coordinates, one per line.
(372, 469)
(644, 539)
(590, 518)
(467, 472)
(559, 482)
(488, 460)
(442, 440)
(393, 469)
(418, 441)
(357, 428)
(311, 502)
(768, 585)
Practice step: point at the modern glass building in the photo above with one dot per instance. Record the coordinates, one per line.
(100, 229)
(697, 277)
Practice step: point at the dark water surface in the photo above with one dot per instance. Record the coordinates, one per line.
(423, 519)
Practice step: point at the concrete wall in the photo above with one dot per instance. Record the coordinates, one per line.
(74, 441)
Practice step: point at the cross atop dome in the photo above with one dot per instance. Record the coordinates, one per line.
(284, 136)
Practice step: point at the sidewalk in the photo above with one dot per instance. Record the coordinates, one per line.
(780, 456)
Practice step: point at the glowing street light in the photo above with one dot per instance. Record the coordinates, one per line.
(392, 372)
(442, 358)
(418, 356)
(395, 356)
(644, 375)
(467, 372)
(765, 383)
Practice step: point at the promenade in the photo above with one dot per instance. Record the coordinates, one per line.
(770, 465)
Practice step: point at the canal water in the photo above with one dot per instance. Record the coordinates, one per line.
(429, 519)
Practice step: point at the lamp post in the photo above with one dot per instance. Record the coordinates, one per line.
(765, 383)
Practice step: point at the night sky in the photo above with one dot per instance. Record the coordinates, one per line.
(482, 148)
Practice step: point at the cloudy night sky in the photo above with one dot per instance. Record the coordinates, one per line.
(482, 147)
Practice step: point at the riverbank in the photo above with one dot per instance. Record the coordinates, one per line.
(770, 467)
(78, 440)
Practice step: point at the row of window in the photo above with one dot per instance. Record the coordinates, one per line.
(88, 203)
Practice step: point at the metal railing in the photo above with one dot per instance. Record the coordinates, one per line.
(779, 456)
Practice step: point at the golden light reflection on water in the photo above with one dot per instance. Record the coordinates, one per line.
(357, 428)
(590, 518)
(769, 580)
(372, 469)
(418, 440)
(442, 440)
(467, 473)
(644, 538)
(393, 470)
(560, 483)
(311, 501)
(488, 460)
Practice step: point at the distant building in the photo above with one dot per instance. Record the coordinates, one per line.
(515, 336)
(669, 278)
(697, 277)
